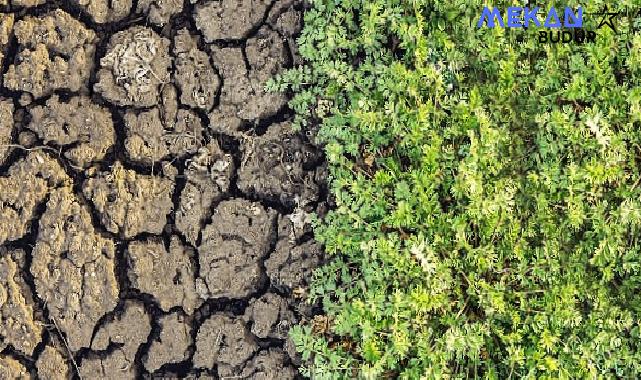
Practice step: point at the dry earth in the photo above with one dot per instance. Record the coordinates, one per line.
(154, 201)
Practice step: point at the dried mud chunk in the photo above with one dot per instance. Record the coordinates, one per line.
(172, 345)
(267, 365)
(232, 248)
(56, 52)
(168, 276)
(229, 19)
(243, 96)
(27, 3)
(130, 203)
(160, 11)
(73, 268)
(270, 316)
(225, 342)
(149, 142)
(289, 23)
(194, 75)
(6, 27)
(106, 10)
(79, 122)
(115, 366)
(135, 66)
(266, 55)
(273, 167)
(128, 331)
(6, 128)
(290, 266)
(52, 365)
(18, 325)
(26, 186)
(12, 369)
(208, 178)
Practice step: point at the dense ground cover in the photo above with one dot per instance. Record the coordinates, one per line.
(487, 193)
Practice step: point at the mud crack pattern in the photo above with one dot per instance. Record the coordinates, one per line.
(155, 202)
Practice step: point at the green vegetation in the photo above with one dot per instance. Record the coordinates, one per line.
(488, 193)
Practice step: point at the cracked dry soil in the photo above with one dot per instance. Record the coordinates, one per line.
(154, 200)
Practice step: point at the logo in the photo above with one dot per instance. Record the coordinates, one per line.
(608, 19)
(558, 26)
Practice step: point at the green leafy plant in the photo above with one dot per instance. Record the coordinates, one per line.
(487, 190)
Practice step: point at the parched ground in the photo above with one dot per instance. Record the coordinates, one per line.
(155, 202)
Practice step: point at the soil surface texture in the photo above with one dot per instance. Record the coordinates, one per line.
(155, 203)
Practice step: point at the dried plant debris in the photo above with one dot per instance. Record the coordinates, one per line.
(159, 11)
(52, 364)
(55, 52)
(6, 129)
(208, 178)
(194, 75)
(130, 203)
(79, 124)
(172, 346)
(135, 67)
(224, 342)
(167, 275)
(12, 369)
(273, 167)
(18, 324)
(229, 19)
(243, 96)
(106, 10)
(232, 249)
(127, 332)
(73, 268)
(270, 316)
(27, 184)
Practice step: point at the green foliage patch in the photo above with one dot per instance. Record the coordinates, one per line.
(487, 188)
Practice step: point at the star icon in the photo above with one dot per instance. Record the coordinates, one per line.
(608, 18)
